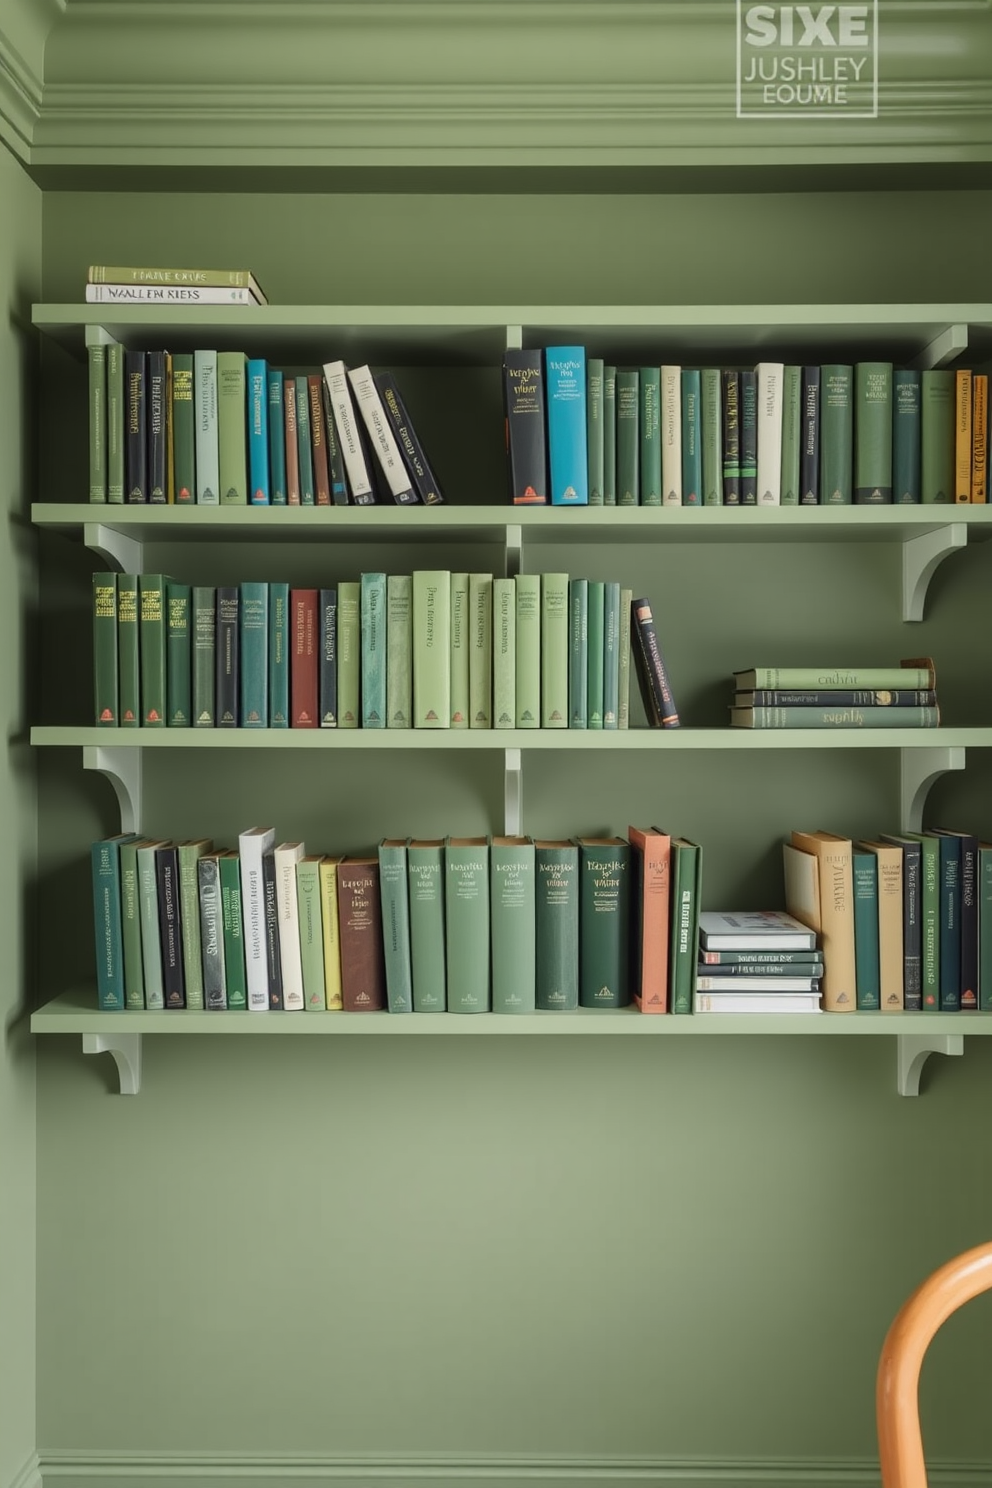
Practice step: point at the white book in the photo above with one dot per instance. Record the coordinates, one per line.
(252, 845)
(168, 294)
(206, 447)
(771, 376)
(151, 935)
(757, 983)
(359, 484)
(385, 446)
(754, 930)
(756, 1002)
(287, 855)
(671, 436)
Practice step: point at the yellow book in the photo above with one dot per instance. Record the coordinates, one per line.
(979, 438)
(331, 932)
(962, 434)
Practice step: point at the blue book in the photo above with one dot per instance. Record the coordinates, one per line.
(867, 973)
(303, 445)
(105, 858)
(254, 650)
(692, 446)
(565, 401)
(258, 432)
(277, 439)
(578, 652)
(611, 655)
(278, 655)
(949, 921)
(373, 631)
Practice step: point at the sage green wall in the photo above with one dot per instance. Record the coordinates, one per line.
(599, 1248)
(20, 284)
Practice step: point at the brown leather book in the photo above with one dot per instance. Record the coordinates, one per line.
(363, 969)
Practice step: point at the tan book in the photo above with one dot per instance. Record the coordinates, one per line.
(836, 916)
(979, 438)
(890, 921)
(962, 434)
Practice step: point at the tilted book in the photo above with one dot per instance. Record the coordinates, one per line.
(652, 674)
(311, 932)
(359, 484)
(189, 855)
(424, 479)
(211, 933)
(381, 436)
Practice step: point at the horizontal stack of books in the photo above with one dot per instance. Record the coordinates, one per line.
(756, 961)
(583, 432)
(837, 697)
(132, 285)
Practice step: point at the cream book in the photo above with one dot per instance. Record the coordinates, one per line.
(832, 910)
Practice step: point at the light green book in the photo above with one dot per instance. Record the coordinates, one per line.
(528, 650)
(595, 653)
(151, 638)
(232, 427)
(512, 908)
(394, 897)
(399, 651)
(672, 493)
(431, 648)
(480, 656)
(504, 653)
(204, 658)
(151, 934)
(594, 428)
(134, 974)
(96, 355)
(873, 434)
(425, 865)
(460, 651)
(937, 408)
(611, 655)
(349, 652)
(578, 652)
(623, 687)
(466, 914)
(628, 437)
(836, 434)
(235, 974)
(189, 916)
(115, 423)
(311, 933)
(711, 436)
(178, 656)
(609, 436)
(373, 629)
(649, 432)
(792, 377)
(554, 650)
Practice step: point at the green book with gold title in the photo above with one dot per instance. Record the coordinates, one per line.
(604, 922)
(178, 655)
(105, 673)
(152, 648)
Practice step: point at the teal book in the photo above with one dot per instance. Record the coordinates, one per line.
(611, 655)
(504, 653)
(649, 435)
(686, 895)
(836, 434)
(554, 650)
(128, 666)
(866, 966)
(792, 395)
(394, 894)
(556, 920)
(692, 448)
(234, 936)
(937, 409)
(528, 651)
(609, 436)
(151, 935)
(578, 652)
(278, 654)
(425, 871)
(259, 488)
(595, 452)
(460, 639)
(513, 924)
(985, 926)
(107, 923)
(304, 448)
(628, 437)
(595, 652)
(134, 974)
(949, 920)
(278, 495)
(349, 653)
(873, 434)
(906, 488)
(204, 624)
(254, 655)
(178, 656)
(373, 628)
(105, 669)
(467, 935)
(929, 918)
(711, 436)
(189, 855)
(565, 402)
(604, 922)
(399, 651)
(311, 933)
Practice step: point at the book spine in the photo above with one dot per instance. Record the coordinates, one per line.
(96, 355)
(528, 651)
(764, 961)
(710, 436)
(183, 429)
(155, 374)
(731, 444)
(604, 923)
(556, 913)
(170, 927)
(330, 921)
(207, 454)
(311, 934)
(424, 479)
(513, 925)
(304, 442)
(259, 488)
(234, 940)
(651, 667)
(980, 439)
(611, 655)
(480, 659)
(292, 439)
(278, 647)
(136, 427)
(363, 972)
(318, 441)
(626, 614)
(232, 401)
(189, 856)
(140, 275)
(609, 436)
(151, 935)
(168, 294)
(270, 931)
(303, 699)
(288, 856)
(969, 923)
(873, 434)
(839, 697)
(227, 686)
(809, 456)
(565, 381)
(335, 459)
(115, 423)
(803, 718)
(912, 928)
(254, 655)
(342, 407)
(431, 648)
(106, 678)
(595, 450)
(211, 933)
(650, 861)
(178, 656)
(791, 433)
(384, 445)
(985, 926)
(399, 651)
(890, 918)
(554, 650)
(349, 653)
(748, 380)
(949, 923)
(671, 435)
(373, 628)
(937, 436)
(930, 922)
(134, 976)
(864, 869)
(869, 678)
(906, 488)
(648, 435)
(770, 414)
(578, 653)
(327, 682)
(459, 659)
(107, 923)
(276, 419)
(467, 925)
(836, 434)
(628, 438)
(686, 888)
(692, 450)
(151, 636)
(395, 906)
(504, 653)
(595, 652)
(963, 446)
(425, 862)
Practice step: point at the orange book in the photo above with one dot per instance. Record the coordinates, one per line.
(652, 851)
(962, 434)
(980, 438)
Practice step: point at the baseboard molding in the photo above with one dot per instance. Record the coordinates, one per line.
(29, 1475)
(140, 1470)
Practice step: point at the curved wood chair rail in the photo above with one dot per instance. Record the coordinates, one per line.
(900, 1442)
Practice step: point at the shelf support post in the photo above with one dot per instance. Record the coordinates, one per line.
(914, 1049)
(122, 768)
(918, 769)
(920, 557)
(126, 1049)
(513, 793)
(116, 548)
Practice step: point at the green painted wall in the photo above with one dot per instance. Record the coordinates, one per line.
(691, 1248)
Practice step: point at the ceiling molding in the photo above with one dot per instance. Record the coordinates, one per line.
(20, 100)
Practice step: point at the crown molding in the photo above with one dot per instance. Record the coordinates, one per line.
(20, 100)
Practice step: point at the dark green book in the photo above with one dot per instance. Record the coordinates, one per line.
(234, 939)
(609, 436)
(604, 922)
(96, 355)
(204, 624)
(649, 436)
(394, 894)
(866, 967)
(115, 423)
(906, 488)
(686, 894)
(595, 449)
(595, 652)
(188, 857)
(253, 621)
(178, 656)
(151, 637)
(948, 920)
(873, 434)
(106, 688)
(107, 925)
(556, 872)
(912, 919)
(692, 449)
(792, 377)
(279, 654)
(985, 926)
(158, 461)
(513, 924)
(711, 436)
(425, 871)
(731, 443)
(183, 429)
(228, 650)
(628, 441)
(937, 408)
(578, 652)
(128, 664)
(466, 905)
(748, 394)
(836, 434)
(967, 918)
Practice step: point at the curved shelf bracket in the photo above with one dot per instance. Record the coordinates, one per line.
(126, 1049)
(513, 793)
(122, 768)
(115, 547)
(920, 557)
(914, 1049)
(918, 769)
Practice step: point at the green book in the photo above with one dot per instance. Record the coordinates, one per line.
(578, 652)
(183, 429)
(711, 436)
(204, 601)
(873, 434)
(134, 975)
(556, 872)
(211, 933)
(253, 641)
(189, 916)
(596, 656)
(504, 653)
(528, 650)
(115, 423)
(649, 435)
(108, 933)
(692, 452)
(232, 427)
(609, 436)
(106, 684)
(985, 926)
(623, 705)
(373, 629)
(311, 933)
(671, 434)
(279, 654)
(836, 434)
(128, 665)
(466, 916)
(234, 936)
(425, 865)
(628, 438)
(480, 657)
(431, 648)
(595, 451)
(178, 656)
(906, 488)
(686, 893)
(866, 966)
(611, 655)
(460, 648)
(349, 653)
(151, 934)
(399, 651)
(554, 650)
(96, 355)
(792, 378)
(151, 638)
(513, 924)
(937, 410)
(604, 922)
(394, 895)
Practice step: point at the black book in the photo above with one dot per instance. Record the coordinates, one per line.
(327, 678)
(809, 442)
(652, 675)
(170, 926)
(273, 960)
(968, 916)
(731, 437)
(136, 427)
(749, 436)
(526, 441)
(912, 921)
(423, 477)
(228, 656)
(335, 458)
(158, 471)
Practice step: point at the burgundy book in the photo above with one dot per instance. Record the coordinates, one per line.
(303, 659)
(363, 967)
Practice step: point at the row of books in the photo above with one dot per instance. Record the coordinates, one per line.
(904, 921)
(220, 428)
(583, 432)
(131, 284)
(841, 697)
(474, 924)
(432, 649)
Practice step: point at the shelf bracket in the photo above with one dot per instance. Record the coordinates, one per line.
(126, 1049)
(918, 769)
(122, 768)
(115, 547)
(920, 557)
(513, 793)
(914, 1049)
(943, 348)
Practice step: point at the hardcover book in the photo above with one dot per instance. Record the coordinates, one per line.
(107, 921)
(528, 651)
(671, 435)
(650, 861)
(513, 924)
(359, 484)
(395, 896)
(311, 932)
(652, 674)
(205, 430)
(235, 976)
(809, 454)
(349, 653)
(273, 954)
(303, 700)
(754, 930)
(731, 442)
(431, 648)
(304, 442)
(906, 488)
(135, 426)
(467, 923)
(647, 431)
(96, 354)
(232, 453)
(937, 435)
(504, 653)
(556, 870)
(228, 668)
(480, 659)
(211, 932)
(864, 871)
(178, 655)
(611, 654)
(156, 363)
(134, 975)
(278, 654)
(873, 434)
(151, 934)
(399, 651)
(330, 920)
(770, 393)
(425, 865)
(115, 423)
(791, 433)
(609, 435)
(188, 855)
(259, 489)
(363, 972)
(595, 652)
(836, 434)
(459, 659)
(253, 844)
(686, 896)
(152, 649)
(578, 653)
(105, 670)
(170, 926)
(604, 922)
(963, 441)
(711, 436)
(748, 379)
(327, 682)
(424, 480)
(287, 858)
(595, 449)
(381, 436)
(565, 381)
(888, 859)
(819, 890)
(318, 440)
(275, 381)
(692, 446)
(373, 634)
(912, 919)
(554, 650)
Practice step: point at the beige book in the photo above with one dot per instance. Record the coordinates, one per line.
(836, 913)
(890, 953)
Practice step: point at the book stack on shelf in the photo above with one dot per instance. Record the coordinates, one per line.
(133, 285)
(837, 697)
(428, 650)
(581, 431)
(756, 961)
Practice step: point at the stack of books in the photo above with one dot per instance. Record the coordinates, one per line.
(756, 961)
(837, 697)
(148, 286)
